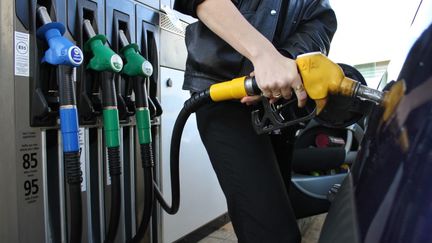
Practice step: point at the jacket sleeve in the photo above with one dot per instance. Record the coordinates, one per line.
(187, 7)
(315, 30)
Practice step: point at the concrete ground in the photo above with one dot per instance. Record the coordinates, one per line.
(310, 228)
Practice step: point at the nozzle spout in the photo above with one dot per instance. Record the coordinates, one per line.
(88, 28)
(370, 94)
(43, 15)
(322, 77)
(123, 39)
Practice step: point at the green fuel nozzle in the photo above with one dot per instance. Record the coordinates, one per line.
(104, 59)
(138, 68)
(136, 65)
(107, 62)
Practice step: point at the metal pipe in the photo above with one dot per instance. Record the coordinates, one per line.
(88, 28)
(123, 39)
(367, 93)
(43, 15)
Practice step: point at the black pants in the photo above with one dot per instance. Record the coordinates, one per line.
(248, 172)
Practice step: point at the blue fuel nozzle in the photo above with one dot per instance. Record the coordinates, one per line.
(61, 51)
(66, 56)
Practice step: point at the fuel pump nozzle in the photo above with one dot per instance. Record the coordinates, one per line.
(322, 77)
(108, 63)
(139, 69)
(65, 56)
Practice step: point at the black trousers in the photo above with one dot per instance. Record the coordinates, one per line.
(246, 165)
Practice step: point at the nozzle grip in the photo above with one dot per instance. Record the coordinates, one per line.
(61, 51)
(104, 59)
(136, 64)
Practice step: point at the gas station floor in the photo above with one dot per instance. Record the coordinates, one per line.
(310, 228)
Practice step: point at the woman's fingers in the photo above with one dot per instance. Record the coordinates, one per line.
(300, 92)
(250, 100)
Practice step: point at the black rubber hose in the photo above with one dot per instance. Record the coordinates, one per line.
(115, 172)
(147, 164)
(74, 178)
(109, 97)
(190, 106)
(66, 90)
(141, 97)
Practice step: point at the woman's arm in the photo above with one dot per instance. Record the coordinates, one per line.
(275, 74)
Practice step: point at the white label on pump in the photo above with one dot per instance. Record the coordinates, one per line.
(22, 54)
(83, 159)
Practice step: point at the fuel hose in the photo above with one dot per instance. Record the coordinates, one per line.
(234, 89)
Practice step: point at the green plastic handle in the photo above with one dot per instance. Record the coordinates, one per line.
(104, 59)
(136, 64)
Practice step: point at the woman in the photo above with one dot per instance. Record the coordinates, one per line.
(261, 38)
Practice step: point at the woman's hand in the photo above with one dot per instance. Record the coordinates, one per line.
(250, 100)
(277, 76)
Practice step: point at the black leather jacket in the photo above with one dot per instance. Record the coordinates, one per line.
(304, 26)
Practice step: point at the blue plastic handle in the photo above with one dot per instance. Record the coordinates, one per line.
(61, 51)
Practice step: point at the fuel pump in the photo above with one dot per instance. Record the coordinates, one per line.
(108, 64)
(139, 69)
(66, 56)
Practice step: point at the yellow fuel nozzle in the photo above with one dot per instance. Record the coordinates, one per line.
(322, 77)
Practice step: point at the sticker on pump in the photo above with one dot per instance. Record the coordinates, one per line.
(75, 55)
(116, 63)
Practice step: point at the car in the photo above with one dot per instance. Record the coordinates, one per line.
(387, 196)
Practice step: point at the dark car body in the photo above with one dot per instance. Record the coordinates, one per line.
(387, 197)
